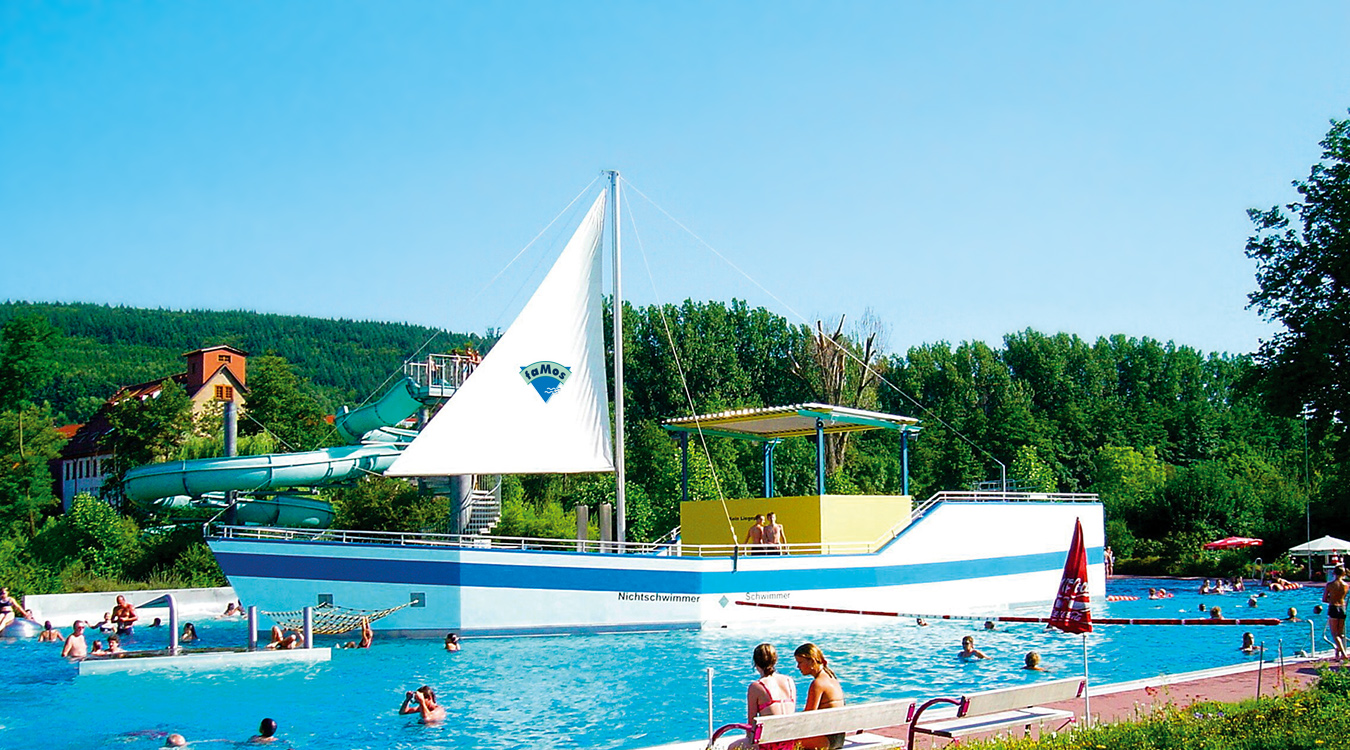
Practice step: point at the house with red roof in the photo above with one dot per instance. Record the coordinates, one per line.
(215, 374)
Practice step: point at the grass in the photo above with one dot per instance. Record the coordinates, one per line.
(1315, 719)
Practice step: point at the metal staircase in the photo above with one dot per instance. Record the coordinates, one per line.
(484, 510)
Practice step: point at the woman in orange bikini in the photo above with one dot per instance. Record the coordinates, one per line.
(770, 695)
(825, 692)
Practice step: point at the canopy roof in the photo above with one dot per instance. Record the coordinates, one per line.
(1325, 544)
(795, 420)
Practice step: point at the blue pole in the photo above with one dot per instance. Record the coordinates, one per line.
(904, 460)
(768, 467)
(820, 457)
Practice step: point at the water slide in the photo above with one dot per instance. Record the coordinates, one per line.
(203, 482)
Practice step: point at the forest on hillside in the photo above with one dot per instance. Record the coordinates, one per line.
(103, 347)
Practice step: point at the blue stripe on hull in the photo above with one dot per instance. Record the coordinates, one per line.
(505, 575)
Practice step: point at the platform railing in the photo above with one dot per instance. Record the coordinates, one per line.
(660, 546)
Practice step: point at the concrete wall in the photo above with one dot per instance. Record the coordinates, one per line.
(810, 519)
(64, 609)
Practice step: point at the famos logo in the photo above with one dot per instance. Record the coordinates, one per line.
(546, 377)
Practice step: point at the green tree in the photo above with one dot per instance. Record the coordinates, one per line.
(382, 504)
(146, 431)
(26, 364)
(280, 402)
(28, 442)
(1032, 474)
(1302, 251)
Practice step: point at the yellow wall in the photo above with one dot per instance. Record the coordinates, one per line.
(809, 519)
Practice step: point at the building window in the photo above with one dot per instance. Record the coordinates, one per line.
(222, 358)
(224, 393)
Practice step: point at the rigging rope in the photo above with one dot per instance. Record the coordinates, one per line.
(679, 367)
(330, 619)
(929, 413)
(436, 334)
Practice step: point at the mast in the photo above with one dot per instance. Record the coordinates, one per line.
(621, 525)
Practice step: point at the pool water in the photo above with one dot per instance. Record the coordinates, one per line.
(590, 691)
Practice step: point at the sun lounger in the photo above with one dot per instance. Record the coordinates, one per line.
(851, 720)
(993, 710)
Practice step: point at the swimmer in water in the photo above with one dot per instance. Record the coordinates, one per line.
(921, 622)
(1033, 662)
(451, 642)
(75, 647)
(115, 645)
(267, 732)
(1293, 615)
(1249, 644)
(367, 637)
(175, 740)
(189, 633)
(1215, 613)
(988, 624)
(49, 634)
(968, 650)
(423, 701)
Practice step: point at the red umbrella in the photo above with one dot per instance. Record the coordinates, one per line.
(1233, 542)
(1072, 612)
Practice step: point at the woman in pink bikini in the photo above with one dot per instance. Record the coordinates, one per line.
(770, 695)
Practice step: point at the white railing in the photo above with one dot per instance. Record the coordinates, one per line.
(660, 546)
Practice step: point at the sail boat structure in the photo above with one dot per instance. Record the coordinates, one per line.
(537, 404)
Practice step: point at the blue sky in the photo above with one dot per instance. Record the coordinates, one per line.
(963, 170)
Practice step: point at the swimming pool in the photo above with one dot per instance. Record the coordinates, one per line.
(593, 691)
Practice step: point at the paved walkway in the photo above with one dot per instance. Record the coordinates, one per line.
(1126, 701)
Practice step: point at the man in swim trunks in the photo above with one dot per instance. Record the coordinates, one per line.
(774, 536)
(1334, 596)
(124, 616)
(75, 647)
(755, 536)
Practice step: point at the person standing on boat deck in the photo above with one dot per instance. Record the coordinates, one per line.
(755, 536)
(1334, 596)
(825, 692)
(773, 694)
(75, 647)
(774, 536)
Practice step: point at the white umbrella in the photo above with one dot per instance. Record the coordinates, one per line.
(1325, 544)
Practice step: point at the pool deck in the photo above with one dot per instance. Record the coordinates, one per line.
(1128, 700)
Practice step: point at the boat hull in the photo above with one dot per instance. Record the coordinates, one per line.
(959, 558)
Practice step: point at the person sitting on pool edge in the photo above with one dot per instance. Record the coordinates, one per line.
(773, 694)
(451, 642)
(267, 732)
(1033, 662)
(968, 650)
(423, 701)
(825, 692)
(9, 609)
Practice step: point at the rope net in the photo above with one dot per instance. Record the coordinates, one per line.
(330, 619)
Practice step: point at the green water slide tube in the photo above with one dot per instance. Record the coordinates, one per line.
(265, 473)
(180, 483)
(397, 404)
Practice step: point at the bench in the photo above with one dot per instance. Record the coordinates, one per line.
(854, 720)
(999, 709)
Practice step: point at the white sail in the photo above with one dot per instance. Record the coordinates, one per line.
(537, 403)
